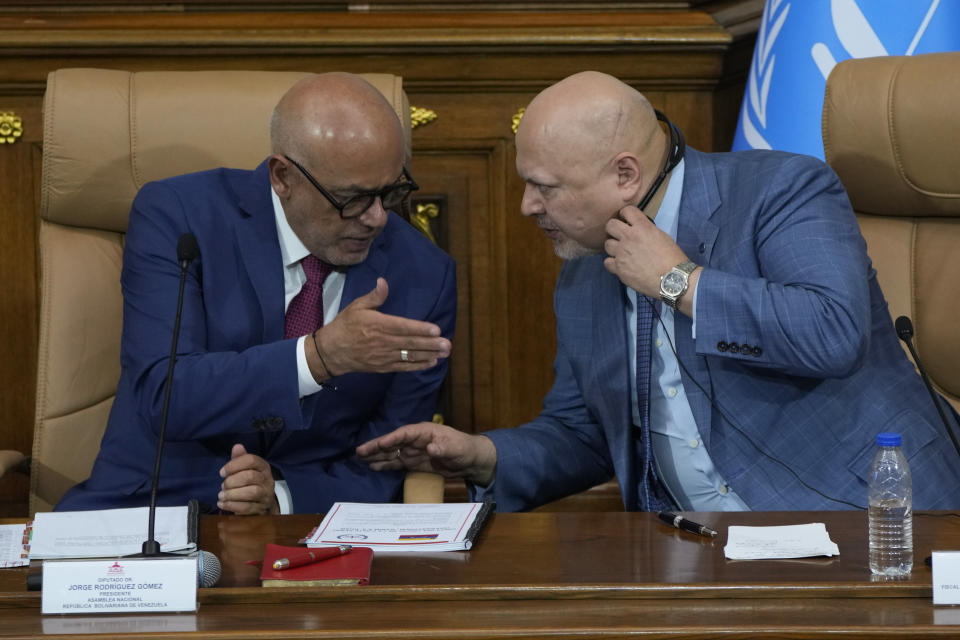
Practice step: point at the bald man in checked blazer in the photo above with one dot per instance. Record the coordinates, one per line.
(724, 346)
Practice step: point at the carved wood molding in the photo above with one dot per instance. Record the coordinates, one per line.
(420, 116)
(358, 32)
(11, 127)
(376, 6)
(506, 50)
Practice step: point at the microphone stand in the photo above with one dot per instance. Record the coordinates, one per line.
(187, 251)
(904, 327)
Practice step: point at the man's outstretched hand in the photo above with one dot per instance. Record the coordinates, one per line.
(361, 338)
(427, 446)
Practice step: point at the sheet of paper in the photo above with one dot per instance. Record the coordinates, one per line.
(791, 541)
(107, 533)
(14, 545)
(398, 527)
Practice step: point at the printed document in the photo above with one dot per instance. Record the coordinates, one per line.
(14, 545)
(108, 533)
(402, 527)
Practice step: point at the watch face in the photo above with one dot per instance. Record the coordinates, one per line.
(673, 283)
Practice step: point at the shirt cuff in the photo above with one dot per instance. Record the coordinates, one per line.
(480, 494)
(308, 385)
(693, 318)
(284, 497)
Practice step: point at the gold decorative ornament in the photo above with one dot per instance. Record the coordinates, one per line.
(11, 127)
(420, 116)
(422, 217)
(515, 120)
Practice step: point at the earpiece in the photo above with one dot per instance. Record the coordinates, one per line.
(678, 146)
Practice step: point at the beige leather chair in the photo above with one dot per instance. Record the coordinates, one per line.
(106, 133)
(891, 131)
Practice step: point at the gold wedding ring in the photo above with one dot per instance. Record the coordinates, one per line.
(404, 355)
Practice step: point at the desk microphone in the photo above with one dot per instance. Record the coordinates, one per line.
(187, 252)
(905, 332)
(208, 569)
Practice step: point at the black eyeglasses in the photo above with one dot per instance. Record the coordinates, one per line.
(392, 196)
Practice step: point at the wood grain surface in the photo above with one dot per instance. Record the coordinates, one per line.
(596, 575)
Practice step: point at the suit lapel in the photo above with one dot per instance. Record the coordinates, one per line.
(696, 232)
(696, 235)
(259, 249)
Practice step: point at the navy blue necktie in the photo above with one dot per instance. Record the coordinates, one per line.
(651, 493)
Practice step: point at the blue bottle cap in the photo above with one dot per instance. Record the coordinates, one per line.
(888, 439)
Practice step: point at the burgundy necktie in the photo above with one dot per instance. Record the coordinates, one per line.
(305, 313)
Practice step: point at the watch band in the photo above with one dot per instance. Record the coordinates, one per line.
(684, 269)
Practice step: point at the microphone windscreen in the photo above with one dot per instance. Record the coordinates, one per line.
(208, 569)
(187, 248)
(904, 328)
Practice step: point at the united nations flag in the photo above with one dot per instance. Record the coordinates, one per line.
(800, 41)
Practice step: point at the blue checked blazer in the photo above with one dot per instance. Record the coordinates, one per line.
(786, 274)
(236, 375)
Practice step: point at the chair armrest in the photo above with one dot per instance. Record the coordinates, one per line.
(422, 486)
(15, 461)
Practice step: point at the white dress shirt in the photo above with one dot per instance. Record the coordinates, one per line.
(292, 252)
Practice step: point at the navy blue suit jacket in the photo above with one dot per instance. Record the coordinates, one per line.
(786, 273)
(236, 375)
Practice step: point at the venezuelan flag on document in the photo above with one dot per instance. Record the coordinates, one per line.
(800, 41)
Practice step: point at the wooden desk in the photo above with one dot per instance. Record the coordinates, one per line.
(597, 575)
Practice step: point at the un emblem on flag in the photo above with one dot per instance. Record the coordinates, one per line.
(800, 42)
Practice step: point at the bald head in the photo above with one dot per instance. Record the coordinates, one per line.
(588, 118)
(587, 147)
(335, 139)
(332, 117)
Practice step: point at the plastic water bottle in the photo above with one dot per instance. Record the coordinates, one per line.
(890, 513)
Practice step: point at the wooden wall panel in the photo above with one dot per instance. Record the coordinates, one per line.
(475, 70)
(19, 169)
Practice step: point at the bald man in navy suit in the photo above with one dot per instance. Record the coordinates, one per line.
(252, 403)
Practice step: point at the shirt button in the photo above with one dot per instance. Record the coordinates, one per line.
(672, 392)
(693, 442)
(659, 342)
(723, 490)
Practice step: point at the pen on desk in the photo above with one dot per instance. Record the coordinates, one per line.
(309, 556)
(680, 522)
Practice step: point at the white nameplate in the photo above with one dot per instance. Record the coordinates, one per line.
(120, 585)
(946, 577)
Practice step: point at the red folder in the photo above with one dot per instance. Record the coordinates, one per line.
(349, 569)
